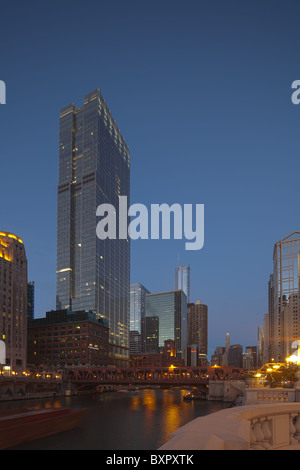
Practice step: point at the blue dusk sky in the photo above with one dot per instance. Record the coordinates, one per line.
(201, 91)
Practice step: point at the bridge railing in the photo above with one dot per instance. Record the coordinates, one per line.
(256, 427)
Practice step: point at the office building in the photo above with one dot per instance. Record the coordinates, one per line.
(171, 310)
(94, 168)
(285, 286)
(68, 339)
(183, 280)
(135, 342)
(30, 300)
(260, 346)
(250, 358)
(217, 357)
(235, 355)
(150, 334)
(13, 301)
(197, 321)
(166, 358)
(291, 324)
(137, 306)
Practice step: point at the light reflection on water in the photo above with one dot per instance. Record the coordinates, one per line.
(120, 421)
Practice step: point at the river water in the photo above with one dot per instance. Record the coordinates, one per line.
(135, 420)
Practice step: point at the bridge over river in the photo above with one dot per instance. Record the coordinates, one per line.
(169, 376)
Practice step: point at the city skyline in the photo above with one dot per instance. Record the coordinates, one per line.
(204, 101)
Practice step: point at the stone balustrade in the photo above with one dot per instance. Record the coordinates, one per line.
(249, 427)
(256, 396)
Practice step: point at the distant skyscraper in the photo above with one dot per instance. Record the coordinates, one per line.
(235, 355)
(197, 320)
(227, 346)
(30, 300)
(137, 306)
(183, 280)
(285, 284)
(171, 310)
(13, 300)
(94, 168)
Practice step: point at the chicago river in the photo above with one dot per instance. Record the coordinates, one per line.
(137, 420)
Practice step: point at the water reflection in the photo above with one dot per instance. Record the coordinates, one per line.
(123, 421)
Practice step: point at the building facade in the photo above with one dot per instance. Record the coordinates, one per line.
(68, 339)
(183, 280)
(150, 334)
(197, 326)
(94, 168)
(235, 355)
(171, 310)
(135, 342)
(30, 300)
(13, 301)
(285, 286)
(137, 306)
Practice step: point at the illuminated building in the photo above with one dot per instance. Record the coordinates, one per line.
(13, 300)
(150, 334)
(171, 310)
(284, 316)
(94, 168)
(197, 320)
(67, 339)
(166, 358)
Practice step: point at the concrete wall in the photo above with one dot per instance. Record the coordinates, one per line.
(226, 390)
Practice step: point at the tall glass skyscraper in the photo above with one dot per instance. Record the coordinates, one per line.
(94, 168)
(171, 310)
(137, 305)
(183, 280)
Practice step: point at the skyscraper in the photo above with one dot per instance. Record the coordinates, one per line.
(13, 300)
(197, 320)
(183, 280)
(286, 283)
(94, 168)
(137, 305)
(171, 310)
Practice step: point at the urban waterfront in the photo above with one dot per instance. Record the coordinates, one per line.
(134, 420)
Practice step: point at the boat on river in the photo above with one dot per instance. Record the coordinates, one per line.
(195, 395)
(24, 425)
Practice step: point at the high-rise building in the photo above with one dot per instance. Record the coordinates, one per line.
(150, 334)
(235, 355)
(13, 300)
(197, 320)
(285, 284)
(135, 342)
(171, 309)
(94, 168)
(260, 345)
(137, 306)
(30, 300)
(227, 347)
(183, 280)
